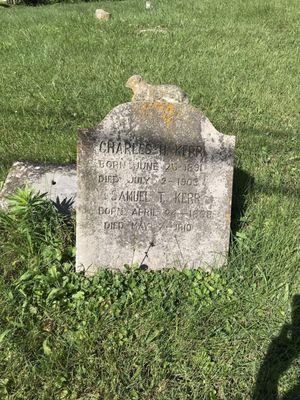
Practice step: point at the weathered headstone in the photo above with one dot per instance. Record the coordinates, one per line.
(58, 182)
(154, 188)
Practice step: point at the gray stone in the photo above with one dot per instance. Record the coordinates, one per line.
(102, 14)
(154, 189)
(57, 181)
(149, 5)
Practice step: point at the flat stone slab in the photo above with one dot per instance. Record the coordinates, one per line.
(154, 188)
(57, 181)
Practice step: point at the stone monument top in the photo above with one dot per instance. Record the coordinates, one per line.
(143, 91)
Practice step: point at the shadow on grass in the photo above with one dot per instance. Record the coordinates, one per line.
(284, 349)
(242, 183)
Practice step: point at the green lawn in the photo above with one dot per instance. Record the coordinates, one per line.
(165, 336)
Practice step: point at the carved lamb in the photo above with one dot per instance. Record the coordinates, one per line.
(143, 91)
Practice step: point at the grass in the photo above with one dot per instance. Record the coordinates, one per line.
(143, 335)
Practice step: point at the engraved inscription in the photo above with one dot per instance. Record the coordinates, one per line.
(144, 166)
(110, 211)
(112, 164)
(146, 148)
(190, 198)
(129, 148)
(143, 180)
(113, 225)
(174, 208)
(108, 179)
(145, 212)
(140, 225)
(134, 196)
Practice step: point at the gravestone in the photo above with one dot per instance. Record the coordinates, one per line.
(154, 189)
(58, 182)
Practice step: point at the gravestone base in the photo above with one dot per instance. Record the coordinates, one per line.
(57, 181)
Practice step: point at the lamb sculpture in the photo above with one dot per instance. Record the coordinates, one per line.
(143, 91)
